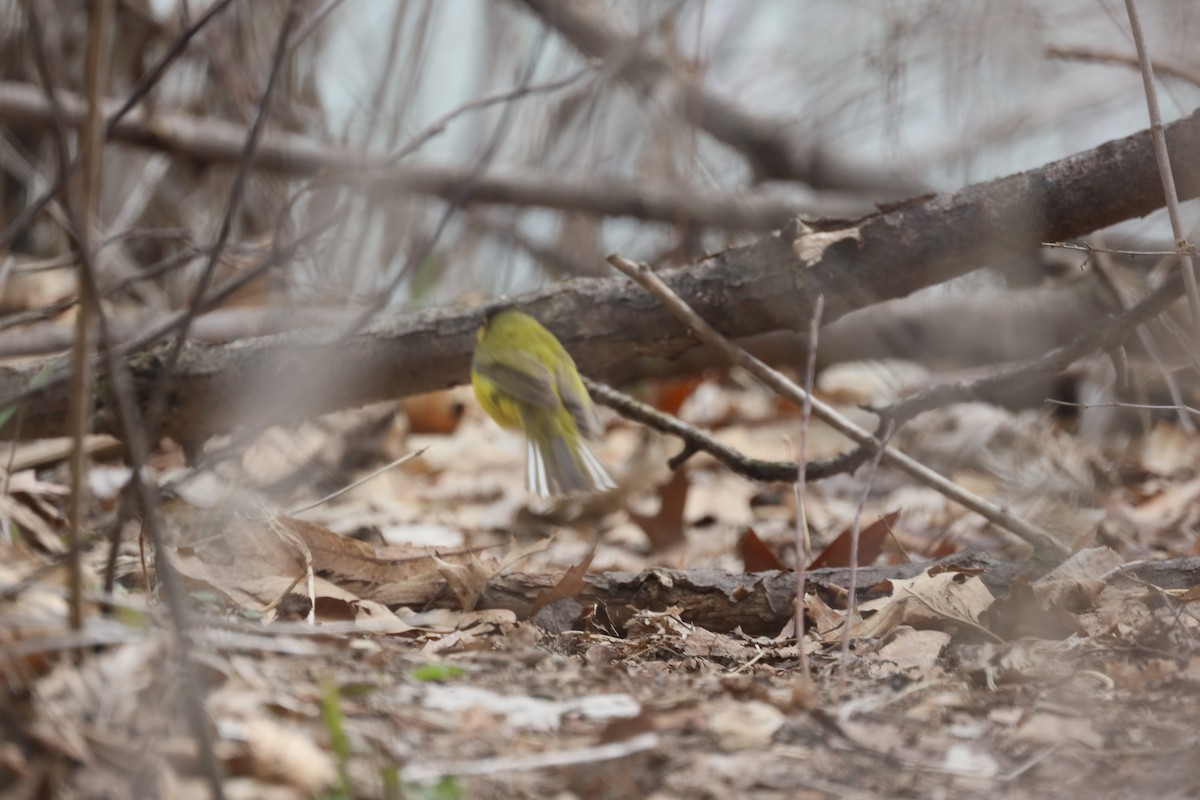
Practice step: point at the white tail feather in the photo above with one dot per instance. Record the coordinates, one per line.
(535, 471)
(564, 469)
(601, 480)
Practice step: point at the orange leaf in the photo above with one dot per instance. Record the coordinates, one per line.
(670, 395)
(870, 544)
(756, 556)
(436, 412)
(665, 528)
(570, 585)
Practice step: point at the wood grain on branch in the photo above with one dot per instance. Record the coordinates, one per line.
(766, 286)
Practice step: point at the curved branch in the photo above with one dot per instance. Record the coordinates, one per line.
(217, 142)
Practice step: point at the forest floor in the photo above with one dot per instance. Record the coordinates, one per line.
(362, 648)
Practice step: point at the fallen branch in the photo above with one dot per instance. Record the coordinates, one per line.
(762, 603)
(763, 287)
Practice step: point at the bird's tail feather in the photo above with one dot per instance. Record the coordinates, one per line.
(562, 468)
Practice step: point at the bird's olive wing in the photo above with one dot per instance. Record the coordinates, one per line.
(520, 377)
(576, 399)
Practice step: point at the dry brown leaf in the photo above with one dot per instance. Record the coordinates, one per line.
(252, 563)
(1170, 505)
(669, 394)
(756, 556)
(927, 601)
(435, 412)
(1045, 728)
(40, 609)
(1188, 595)
(657, 623)
(284, 754)
(569, 586)
(909, 652)
(704, 643)
(1076, 583)
(741, 726)
(281, 453)
(466, 579)
(33, 504)
(870, 544)
(1168, 450)
(665, 529)
(825, 620)
(19, 456)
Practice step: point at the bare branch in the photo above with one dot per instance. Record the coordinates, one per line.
(765, 142)
(218, 142)
(1044, 545)
(1161, 155)
(1176, 69)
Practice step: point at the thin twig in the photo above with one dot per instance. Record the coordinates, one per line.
(376, 473)
(312, 22)
(172, 322)
(694, 439)
(135, 437)
(1159, 138)
(1136, 406)
(855, 534)
(698, 441)
(429, 770)
(214, 141)
(1104, 334)
(1046, 546)
(158, 399)
(1104, 267)
(1087, 247)
(767, 144)
(457, 201)
(91, 143)
(802, 535)
(30, 212)
(523, 90)
(1175, 69)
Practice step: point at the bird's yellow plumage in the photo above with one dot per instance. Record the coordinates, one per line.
(524, 378)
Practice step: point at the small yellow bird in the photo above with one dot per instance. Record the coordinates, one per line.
(524, 378)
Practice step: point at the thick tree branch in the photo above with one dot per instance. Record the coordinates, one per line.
(766, 286)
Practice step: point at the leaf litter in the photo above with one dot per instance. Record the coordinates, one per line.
(452, 670)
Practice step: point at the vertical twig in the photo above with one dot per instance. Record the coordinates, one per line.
(312, 22)
(158, 400)
(1186, 262)
(91, 143)
(1103, 265)
(855, 530)
(130, 422)
(456, 202)
(802, 535)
